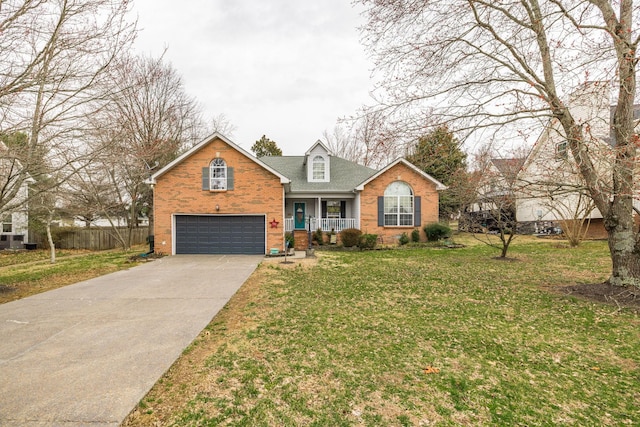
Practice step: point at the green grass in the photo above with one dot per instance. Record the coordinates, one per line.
(27, 273)
(348, 342)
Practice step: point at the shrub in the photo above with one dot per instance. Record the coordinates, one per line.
(404, 239)
(368, 241)
(350, 237)
(436, 231)
(317, 236)
(288, 238)
(415, 235)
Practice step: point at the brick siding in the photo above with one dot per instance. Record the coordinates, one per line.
(421, 187)
(179, 191)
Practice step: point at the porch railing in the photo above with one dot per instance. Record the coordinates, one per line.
(326, 224)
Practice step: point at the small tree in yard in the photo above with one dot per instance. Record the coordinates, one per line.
(491, 205)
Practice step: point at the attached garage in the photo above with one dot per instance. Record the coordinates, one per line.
(220, 234)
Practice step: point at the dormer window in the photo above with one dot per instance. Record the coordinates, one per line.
(317, 162)
(319, 168)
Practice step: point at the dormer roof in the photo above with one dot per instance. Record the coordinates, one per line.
(313, 147)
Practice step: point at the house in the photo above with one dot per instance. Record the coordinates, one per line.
(551, 191)
(217, 198)
(15, 220)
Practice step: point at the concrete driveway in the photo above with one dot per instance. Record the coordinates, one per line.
(87, 353)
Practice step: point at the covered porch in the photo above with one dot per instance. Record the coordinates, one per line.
(329, 213)
(326, 224)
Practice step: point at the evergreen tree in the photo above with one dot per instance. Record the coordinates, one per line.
(266, 147)
(438, 153)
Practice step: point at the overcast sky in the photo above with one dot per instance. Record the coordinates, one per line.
(287, 69)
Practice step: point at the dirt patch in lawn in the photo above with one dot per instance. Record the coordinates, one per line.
(621, 296)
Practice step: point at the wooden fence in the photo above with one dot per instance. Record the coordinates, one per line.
(96, 239)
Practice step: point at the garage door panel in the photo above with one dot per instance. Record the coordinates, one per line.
(220, 234)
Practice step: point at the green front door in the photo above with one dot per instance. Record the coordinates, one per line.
(299, 209)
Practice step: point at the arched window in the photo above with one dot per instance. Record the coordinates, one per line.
(398, 204)
(218, 174)
(319, 168)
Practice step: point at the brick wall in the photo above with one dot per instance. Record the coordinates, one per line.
(421, 187)
(179, 191)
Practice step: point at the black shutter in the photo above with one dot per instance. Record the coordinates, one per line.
(205, 179)
(230, 182)
(417, 211)
(380, 211)
(343, 208)
(324, 209)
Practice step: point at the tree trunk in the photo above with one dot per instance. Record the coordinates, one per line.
(52, 246)
(624, 248)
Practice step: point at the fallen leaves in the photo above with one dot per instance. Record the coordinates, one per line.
(431, 370)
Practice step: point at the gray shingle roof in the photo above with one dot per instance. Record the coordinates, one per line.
(345, 175)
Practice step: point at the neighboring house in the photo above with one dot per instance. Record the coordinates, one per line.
(15, 223)
(217, 198)
(551, 189)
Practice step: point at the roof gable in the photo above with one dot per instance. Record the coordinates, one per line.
(345, 175)
(439, 186)
(206, 141)
(314, 146)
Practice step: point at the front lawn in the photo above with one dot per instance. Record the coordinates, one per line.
(412, 337)
(26, 273)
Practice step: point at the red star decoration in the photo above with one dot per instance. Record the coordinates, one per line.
(274, 223)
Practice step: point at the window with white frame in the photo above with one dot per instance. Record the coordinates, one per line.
(7, 224)
(561, 151)
(398, 205)
(319, 168)
(218, 174)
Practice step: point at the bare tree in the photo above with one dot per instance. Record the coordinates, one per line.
(54, 55)
(221, 124)
(145, 126)
(490, 200)
(478, 64)
(365, 139)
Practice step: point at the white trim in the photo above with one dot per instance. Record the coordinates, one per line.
(202, 144)
(324, 147)
(439, 186)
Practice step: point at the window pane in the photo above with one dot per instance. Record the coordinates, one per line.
(406, 219)
(318, 171)
(390, 219)
(398, 188)
(218, 175)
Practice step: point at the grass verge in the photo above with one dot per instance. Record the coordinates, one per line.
(411, 337)
(27, 273)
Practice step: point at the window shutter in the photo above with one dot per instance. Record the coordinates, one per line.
(230, 182)
(343, 208)
(417, 211)
(380, 211)
(205, 179)
(324, 209)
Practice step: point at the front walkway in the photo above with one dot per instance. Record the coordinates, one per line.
(86, 354)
